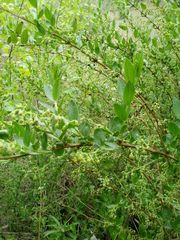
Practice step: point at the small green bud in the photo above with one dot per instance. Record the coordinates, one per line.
(131, 156)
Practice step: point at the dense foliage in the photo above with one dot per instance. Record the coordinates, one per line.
(90, 119)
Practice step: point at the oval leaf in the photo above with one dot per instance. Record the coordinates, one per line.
(173, 128)
(129, 71)
(115, 124)
(53, 20)
(59, 152)
(123, 27)
(74, 25)
(99, 137)
(48, 13)
(9, 40)
(44, 141)
(19, 27)
(14, 38)
(111, 146)
(129, 92)
(120, 86)
(27, 136)
(18, 129)
(166, 213)
(4, 134)
(33, 3)
(138, 63)
(24, 36)
(56, 89)
(41, 29)
(72, 111)
(41, 13)
(120, 112)
(143, 6)
(48, 91)
(85, 129)
(176, 107)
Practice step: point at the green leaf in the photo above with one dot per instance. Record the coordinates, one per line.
(33, 3)
(72, 111)
(99, 137)
(60, 105)
(115, 124)
(9, 40)
(51, 232)
(56, 89)
(55, 220)
(85, 129)
(18, 129)
(138, 63)
(74, 24)
(41, 13)
(47, 106)
(94, 30)
(49, 91)
(19, 140)
(154, 41)
(167, 225)
(19, 27)
(53, 124)
(50, 77)
(123, 27)
(129, 71)
(129, 92)
(9, 108)
(135, 177)
(59, 152)
(135, 133)
(157, 3)
(44, 141)
(120, 112)
(14, 38)
(4, 134)
(135, 33)
(114, 24)
(97, 50)
(33, 136)
(166, 213)
(48, 13)
(56, 71)
(36, 145)
(27, 135)
(90, 46)
(109, 39)
(176, 107)
(24, 36)
(143, 6)
(175, 224)
(53, 20)
(120, 86)
(173, 128)
(41, 29)
(111, 146)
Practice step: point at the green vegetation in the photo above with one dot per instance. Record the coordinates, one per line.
(89, 119)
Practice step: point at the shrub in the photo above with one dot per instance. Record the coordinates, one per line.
(90, 120)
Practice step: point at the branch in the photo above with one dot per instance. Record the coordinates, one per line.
(78, 145)
(58, 36)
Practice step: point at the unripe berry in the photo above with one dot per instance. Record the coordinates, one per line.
(20, 112)
(131, 156)
(36, 120)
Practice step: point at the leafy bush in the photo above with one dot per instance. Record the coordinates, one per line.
(90, 120)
